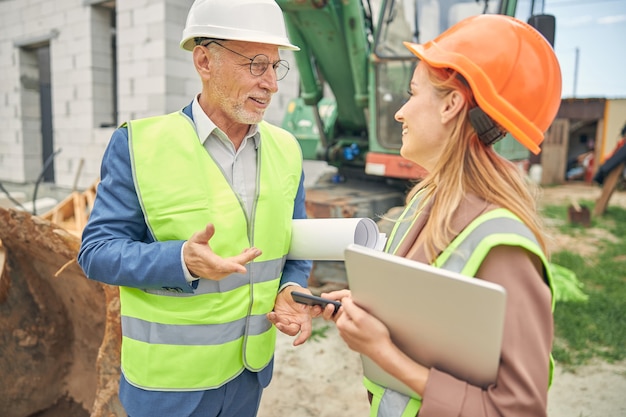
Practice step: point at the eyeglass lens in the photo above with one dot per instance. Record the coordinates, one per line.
(259, 64)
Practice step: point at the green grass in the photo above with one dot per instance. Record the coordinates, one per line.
(319, 330)
(595, 328)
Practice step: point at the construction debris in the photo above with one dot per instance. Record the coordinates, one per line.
(72, 213)
(578, 214)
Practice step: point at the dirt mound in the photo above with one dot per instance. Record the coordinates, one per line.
(59, 348)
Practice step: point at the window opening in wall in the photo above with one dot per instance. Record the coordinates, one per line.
(104, 50)
(45, 105)
(114, 62)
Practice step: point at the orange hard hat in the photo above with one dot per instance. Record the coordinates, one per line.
(511, 68)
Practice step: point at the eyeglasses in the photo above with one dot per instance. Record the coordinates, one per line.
(259, 63)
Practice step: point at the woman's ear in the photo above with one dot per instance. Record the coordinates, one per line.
(452, 105)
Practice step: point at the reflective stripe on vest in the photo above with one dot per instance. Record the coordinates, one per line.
(406, 220)
(465, 254)
(261, 271)
(179, 341)
(390, 403)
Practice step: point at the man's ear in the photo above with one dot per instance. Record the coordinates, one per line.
(201, 60)
(452, 105)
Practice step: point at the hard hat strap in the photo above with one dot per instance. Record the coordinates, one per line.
(487, 130)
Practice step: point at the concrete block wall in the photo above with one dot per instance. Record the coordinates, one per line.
(11, 142)
(82, 91)
(154, 76)
(66, 27)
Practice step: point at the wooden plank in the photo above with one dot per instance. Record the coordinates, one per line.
(61, 211)
(90, 196)
(609, 185)
(80, 214)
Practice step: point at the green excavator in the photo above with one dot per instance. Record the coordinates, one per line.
(354, 73)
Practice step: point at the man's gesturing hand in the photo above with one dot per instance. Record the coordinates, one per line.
(202, 262)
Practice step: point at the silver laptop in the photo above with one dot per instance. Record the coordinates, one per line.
(438, 318)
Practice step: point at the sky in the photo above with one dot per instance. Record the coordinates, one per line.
(595, 32)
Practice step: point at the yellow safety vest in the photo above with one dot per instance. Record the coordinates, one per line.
(179, 341)
(464, 255)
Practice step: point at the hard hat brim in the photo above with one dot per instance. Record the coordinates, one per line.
(192, 32)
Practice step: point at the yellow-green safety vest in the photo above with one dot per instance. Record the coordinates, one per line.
(179, 341)
(464, 255)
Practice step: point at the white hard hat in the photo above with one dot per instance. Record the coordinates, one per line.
(238, 20)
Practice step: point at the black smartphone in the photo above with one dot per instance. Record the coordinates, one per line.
(313, 300)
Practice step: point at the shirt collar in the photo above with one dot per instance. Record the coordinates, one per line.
(205, 126)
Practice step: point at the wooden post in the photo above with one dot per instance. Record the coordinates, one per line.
(609, 185)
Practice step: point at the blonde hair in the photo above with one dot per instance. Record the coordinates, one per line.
(467, 166)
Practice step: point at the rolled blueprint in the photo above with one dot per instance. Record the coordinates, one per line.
(326, 239)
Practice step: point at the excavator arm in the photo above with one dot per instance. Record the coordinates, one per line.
(335, 40)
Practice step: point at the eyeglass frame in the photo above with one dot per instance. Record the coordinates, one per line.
(274, 65)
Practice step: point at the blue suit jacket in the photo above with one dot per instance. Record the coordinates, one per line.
(118, 248)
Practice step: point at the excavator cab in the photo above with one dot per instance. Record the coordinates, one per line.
(393, 63)
(392, 68)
